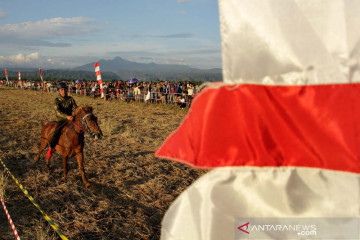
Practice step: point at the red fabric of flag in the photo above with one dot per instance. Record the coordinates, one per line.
(258, 125)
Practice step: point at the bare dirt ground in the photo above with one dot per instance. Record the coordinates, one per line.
(131, 189)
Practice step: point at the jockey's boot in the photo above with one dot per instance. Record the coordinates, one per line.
(49, 153)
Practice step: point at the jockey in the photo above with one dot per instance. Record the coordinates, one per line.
(65, 108)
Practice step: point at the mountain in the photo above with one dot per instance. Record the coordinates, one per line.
(125, 69)
(55, 74)
(119, 68)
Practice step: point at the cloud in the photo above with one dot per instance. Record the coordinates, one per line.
(2, 14)
(41, 33)
(29, 60)
(179, 35)
(19, 58)
(182, 1)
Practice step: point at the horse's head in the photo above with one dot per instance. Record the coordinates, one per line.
(89, 121)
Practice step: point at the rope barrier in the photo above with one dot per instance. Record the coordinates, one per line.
(47, 218)
(10, 221)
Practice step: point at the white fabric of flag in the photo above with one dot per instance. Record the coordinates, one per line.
(278, 41)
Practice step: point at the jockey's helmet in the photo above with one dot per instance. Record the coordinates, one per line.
(61, 85)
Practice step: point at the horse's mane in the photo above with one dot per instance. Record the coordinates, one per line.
(84, 108)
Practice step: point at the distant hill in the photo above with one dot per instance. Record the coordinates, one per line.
(119, 68)
(55, 74)
(151, 71)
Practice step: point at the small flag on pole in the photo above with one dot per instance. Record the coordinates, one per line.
(98, 78)
(6, 76)
(41, 77)
(20, 82)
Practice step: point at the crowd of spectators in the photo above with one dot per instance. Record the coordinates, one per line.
(164, 92)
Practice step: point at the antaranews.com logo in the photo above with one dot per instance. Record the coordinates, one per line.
(297, 228)
(302, 230)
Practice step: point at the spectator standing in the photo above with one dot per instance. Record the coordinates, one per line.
(147, 92)
(49, 85)
(172, 93)
(118, 86)
(137, 93)
(190, 93)
(130, 94)
(162, 91)
(167, 91)
(154, 92)
(93, 90)
(78, 87)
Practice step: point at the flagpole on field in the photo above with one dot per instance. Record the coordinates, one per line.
(19, 77)
(6, 76)
(40, 72)
(98, 78)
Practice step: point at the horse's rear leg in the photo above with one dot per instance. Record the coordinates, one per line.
(43, 145)
(80, 158)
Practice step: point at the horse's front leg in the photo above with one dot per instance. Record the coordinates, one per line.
(48, 163)
(80, 158)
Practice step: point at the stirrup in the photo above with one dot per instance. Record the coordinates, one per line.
(49, 153)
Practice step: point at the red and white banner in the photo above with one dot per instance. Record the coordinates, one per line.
(10, 220)
(281, 131)
(6, 76)
(19, 78)
(98, 78)
(40, 72)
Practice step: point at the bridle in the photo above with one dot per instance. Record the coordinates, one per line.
(85, 128)
(84, 123)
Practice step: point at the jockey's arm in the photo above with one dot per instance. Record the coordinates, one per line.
(59, 113)
(74, 107)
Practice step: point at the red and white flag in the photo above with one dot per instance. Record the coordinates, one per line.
(19, 78)
(6, 76)
(40, 72)
(282, 130)
(98, 78)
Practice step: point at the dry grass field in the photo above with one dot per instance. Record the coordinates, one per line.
(131, 189)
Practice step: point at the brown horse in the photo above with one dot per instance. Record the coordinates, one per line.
(71, 142)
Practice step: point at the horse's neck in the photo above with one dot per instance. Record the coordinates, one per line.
(78, 123)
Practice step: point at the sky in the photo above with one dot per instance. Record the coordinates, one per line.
(70, 33)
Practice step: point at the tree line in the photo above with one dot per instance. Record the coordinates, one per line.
(59, 75)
